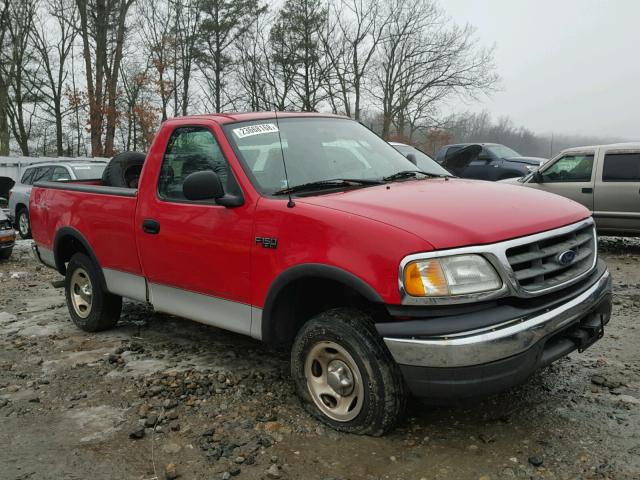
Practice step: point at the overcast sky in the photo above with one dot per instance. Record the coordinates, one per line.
(567, 66)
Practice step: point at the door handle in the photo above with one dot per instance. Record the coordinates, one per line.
(587, 190)
(149, 225)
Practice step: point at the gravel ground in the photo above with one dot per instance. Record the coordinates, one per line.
(161, 397)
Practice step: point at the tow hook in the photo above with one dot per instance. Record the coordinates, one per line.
(587, 332)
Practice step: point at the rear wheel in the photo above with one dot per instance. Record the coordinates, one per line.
(24, 225)
(5, 254)
(345, 375)
(91, 308)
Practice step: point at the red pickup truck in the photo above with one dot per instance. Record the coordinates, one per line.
(310, 233)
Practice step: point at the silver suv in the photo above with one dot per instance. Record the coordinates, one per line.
(46, 172)
(603, 178)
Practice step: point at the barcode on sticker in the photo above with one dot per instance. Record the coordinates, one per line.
(255, 130)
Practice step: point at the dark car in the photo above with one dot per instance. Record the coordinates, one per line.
(493, 162)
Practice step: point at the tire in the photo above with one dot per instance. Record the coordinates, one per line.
(92, 309)
(23, 223)
(5, 254)
(123, 170)
(373, 388)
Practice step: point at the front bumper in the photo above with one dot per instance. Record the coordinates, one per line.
(491, 358)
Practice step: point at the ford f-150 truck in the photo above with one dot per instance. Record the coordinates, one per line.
(312, 234)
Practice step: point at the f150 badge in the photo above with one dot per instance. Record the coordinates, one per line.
(267, 242)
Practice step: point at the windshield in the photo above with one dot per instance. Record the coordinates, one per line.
(425, 162)
(88, 172)
(315, 149)
(502, 152)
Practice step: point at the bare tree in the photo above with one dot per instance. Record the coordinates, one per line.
(186, 25)
(139, 112)
(102, 29)
(53, 54)
(251, 66)
(21, 71)
(159, 42)
(5, 78)
(355, 31)
(424, 59)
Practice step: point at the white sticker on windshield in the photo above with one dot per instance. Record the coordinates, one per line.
(255, 130)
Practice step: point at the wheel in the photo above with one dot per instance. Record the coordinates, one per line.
(5, 254)
(24, 226)
(92, 309)
(123, 170)
(344, 374)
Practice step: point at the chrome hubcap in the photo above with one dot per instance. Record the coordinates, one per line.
(81, 293)
(334, 381)
(23, 224)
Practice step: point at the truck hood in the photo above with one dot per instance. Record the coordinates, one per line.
(456, 212)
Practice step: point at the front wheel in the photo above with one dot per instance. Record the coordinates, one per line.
(92, 308)
(345, 375)
(5, 254)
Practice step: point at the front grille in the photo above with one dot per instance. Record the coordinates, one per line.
(536, 265)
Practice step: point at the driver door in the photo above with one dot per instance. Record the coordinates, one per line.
(195, 254)
(571, 176)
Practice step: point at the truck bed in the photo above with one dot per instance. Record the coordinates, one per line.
(103, 215)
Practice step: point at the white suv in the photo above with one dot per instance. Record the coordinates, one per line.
(46, 172)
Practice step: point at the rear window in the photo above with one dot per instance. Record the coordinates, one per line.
(27, 176)
(88, 172)
(621, 167)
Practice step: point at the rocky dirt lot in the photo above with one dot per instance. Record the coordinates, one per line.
(161, 397)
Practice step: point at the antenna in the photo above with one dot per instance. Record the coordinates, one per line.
(290, 203)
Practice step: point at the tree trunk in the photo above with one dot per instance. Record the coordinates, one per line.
(4, 122)
(58, 113)
(112, 81)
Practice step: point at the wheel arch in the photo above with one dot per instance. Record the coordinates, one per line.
(279, 313)
(20, 205)
(69, 241)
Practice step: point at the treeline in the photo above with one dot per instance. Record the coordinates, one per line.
(481, 127)
(82, 77)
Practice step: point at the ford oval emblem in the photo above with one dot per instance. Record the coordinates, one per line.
(566, 258)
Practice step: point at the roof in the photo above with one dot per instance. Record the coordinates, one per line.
(470, 143)
(610, 146)
(222, 118)
(65, 162)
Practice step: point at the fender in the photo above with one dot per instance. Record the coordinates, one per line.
(307, 270)
(72, 232)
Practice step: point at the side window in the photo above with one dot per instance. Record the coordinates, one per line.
(570, 168)
(190, 150)
(485, 155)
(60, 174)
(621, 167)
(27, 176)
(43, 174)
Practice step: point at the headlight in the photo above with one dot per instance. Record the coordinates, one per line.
(455, 275)
(532, 168)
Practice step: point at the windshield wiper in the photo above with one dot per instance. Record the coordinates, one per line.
(324, 184)
(410, 174)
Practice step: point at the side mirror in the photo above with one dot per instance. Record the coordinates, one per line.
(537, 177)
(204, 185)
(412, 158)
